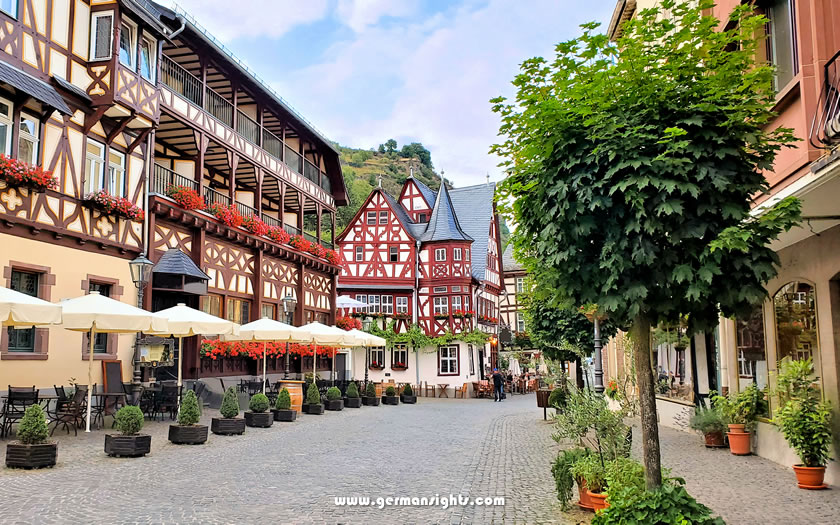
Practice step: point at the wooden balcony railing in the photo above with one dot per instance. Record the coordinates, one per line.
(163, 178)
(212, 196)
(180, 80)
(825, 126)
(273, 145)
(248, 127)
(246, 211)
(294, 160)
(291, 230)
(219, 107)
(271, 221)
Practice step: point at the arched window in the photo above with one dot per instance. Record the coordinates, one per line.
(795, 306)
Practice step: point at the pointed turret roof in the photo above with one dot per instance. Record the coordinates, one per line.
(443, 225)
(427, 192)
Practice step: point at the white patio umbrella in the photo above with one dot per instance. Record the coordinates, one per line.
(24, 311)
(98, 314)
(345, 301)
(184, 321)
(329, 336)
(265, 330)
(367, 340)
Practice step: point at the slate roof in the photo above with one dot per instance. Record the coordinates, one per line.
(428, 193)
(474, 207)
(174, 261)
(402, 215)
(34, 87)
(444, 224)
(509, 263)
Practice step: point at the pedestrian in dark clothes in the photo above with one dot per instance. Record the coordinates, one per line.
(498, 381)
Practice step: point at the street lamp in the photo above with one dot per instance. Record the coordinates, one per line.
(366, 324)
(141, 273)
(289, 305)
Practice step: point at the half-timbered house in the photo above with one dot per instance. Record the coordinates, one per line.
(430, 259)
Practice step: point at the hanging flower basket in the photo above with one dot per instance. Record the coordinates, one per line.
(19, 174)
(186, 197)
(255, 225)
(116, 206)
(226, 214)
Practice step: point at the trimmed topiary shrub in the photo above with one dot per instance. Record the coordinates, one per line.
(390, 391)
(284, 400)
(189, 413)
(370, 390)
(333, 393)
(313, 397)
(259, 403)
(129, 420)
(557, 398)
(230, 404)
(352, 391)
(32, 429)
(407, 391)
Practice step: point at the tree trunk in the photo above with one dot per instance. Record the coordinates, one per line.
(647, 402)
(579, 373)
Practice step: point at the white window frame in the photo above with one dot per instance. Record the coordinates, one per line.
(399, 354)
(441, 305)
(440, 254)
(383, 217)
(456, 302)
(94, 181)
(520, 284)
(116, 174)
(360, 253)
(472, 359)
(373, 304)
(402, 305)
(152, 58)
(93, 18)
(377, 351)
(456, 254)
(14, 6)
(450, 360)
(440, 289)
(520, 322)
(387, 304)
(125, 23)
(26, 135)
(456, 288)
(7, 120)
(393, 254)
(363, 298)
(466, 302)
(371, 218)
(467, 254)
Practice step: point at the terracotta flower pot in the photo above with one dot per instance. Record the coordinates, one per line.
(810, 478)
(714, 439)
(584, 501)
(736, 428)
(598, 499)
(739, 443)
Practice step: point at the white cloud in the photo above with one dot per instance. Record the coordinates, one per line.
(360, 14)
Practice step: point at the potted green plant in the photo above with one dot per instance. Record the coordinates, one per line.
(188, 431)
(283, 407)
(564, 480)
(370, 398)
(31, 450)
(710, 423)
(258, 415)
(557, 399)
(739, 410)
(352, 400)
(334, 401)
(228, 424)
(592, 470)
(804, 418)
(313, 401)
(129, 442)
(391, 397)
(408, 396)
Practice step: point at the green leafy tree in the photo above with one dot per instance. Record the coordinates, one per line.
(381, 149)
(230, 403)
(390, 146)
(415, 149)
(189, 413)
(284, 400)
(632, 172)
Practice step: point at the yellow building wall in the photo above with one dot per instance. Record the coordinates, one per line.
(70, 267)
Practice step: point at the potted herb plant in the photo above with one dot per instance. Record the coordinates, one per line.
(352, 400)
(32, 450)
(258, 415)
(804, 418)
(370, 398)
(188, 431)
(313, 401)
(129, 442)
(408, 396)
(391, 397)
(228, 424)
(564, 480)
(710, 423)
(739, 410)
(592, 471)
(283, 407)
(334, 401)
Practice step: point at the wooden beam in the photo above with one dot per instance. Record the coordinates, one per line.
(139, 140)
(120, 127)
(93, 118)
(258, 192)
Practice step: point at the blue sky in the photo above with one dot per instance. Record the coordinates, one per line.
(364, 71)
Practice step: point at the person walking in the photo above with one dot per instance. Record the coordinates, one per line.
(498, 381)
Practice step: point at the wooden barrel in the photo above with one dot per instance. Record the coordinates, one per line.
(295, 392)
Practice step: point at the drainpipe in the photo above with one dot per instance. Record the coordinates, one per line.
(178, 31)
(415, 314)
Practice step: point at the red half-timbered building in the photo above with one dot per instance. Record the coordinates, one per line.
(432, 259)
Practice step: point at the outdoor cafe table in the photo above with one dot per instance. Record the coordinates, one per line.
(106, 408)
(443, 387)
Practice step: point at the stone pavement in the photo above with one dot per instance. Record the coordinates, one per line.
(291, 473)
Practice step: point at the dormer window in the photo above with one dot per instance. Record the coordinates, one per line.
(128, 44)
(422, 218)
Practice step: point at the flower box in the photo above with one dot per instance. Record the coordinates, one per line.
(377, 366)
(116, 206)
(399, 366)
(226, 214)
(186, 197)
(348, 323)
(19, 174)
(255, 225)
(278, 235)
(441, 316)
(402, 317)
(133, 446)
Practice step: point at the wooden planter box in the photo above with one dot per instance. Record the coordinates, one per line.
(315, 410)
(334, 405)
(227, 426)
(259, 419)
(285, 415)
(353, 402)
(42, 455)
(128, 446)
(188, 434)
(408, 400)
(370, 401)
(391, 400)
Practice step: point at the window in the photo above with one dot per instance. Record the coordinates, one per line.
(467, 254)
(100, 344)
(269, 311)
(520, 322)
(371, 217)
(781, 41)
(148, 56)
(211, 304)
(456, 254)
(520, 284)
(752, 354)
(399, 356)
(128, 44)
(388, 304)
(5, 127)
(360, 253)
(440, 254)
(362, 298)
(23, 340)
(9, 7)
(440, 289)
(238, 310)
(448, 360)
(472, 359)
(101, 35)
(116, 173)
(456, 302)
(377, 358)
(94, 166)
(373, 304)
(402, 305)
(456, 288)
(383, 217)
(393, 254)
(441, 306)
(28, 141)
(795, 307)
(422, 218)
(466, 302)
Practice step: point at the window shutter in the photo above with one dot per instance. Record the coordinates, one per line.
(103, 29)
